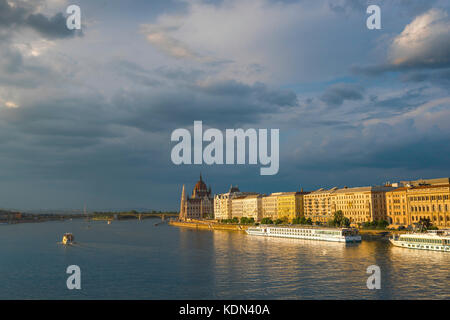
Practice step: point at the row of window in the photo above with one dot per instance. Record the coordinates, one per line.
(429, 208)
(434, 218)
(426, 198)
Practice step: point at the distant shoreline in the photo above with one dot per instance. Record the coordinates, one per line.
(9, 218)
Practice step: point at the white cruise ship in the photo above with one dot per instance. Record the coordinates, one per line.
(308, 233)
(436, 240)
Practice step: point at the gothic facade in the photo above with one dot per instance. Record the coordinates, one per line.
(199, 205)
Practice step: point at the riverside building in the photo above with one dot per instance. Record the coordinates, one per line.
(199, 205)
(251, 207)
(420, 200)
(223, 203)
(269, 206)
(289, 204)
(248, 206)
(318, 205)
(359, 204)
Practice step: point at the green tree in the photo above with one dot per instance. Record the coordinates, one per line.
(339, 219)
(346, 222)
(266, 221)
(245, 220)
(424, 224)
(278, 221)
(382, 224)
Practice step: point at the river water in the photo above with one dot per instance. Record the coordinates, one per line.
(136, 260)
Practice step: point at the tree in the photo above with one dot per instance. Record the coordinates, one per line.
(245, 220)
(424, 224)
(338, 217)
(346, 222)
(382, 224)
(266, 221)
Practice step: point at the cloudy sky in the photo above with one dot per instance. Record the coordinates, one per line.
(86, 116)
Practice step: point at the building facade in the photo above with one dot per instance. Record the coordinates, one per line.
(407, 205)
(269, 207)
(289, 205)
(361, 204)
(199, 205)
(318, 205)
(237, 207)
(251, 207)
(223, 205)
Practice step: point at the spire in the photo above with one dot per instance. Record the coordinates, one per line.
(201, 176)
(183, 204)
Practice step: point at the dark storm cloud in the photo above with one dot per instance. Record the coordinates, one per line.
(376, 70)
(18, 72)
(412, 155)
(259, 91)
(72, 117)
(135, 73)
(439, 78)
(395, 104)
(50, 27)
(13, 17)
(218, 104)
(11, 60)
(91, 137)
(336, 94)
(394, 147)
(346, 5)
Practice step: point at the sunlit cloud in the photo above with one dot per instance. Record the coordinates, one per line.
(426, 41)
(11, 104)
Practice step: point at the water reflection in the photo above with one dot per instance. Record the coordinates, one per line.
(258, 267)
(131, 260)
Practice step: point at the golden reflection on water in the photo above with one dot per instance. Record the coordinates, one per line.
(262, 267)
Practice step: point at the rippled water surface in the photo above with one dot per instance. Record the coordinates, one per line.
(136, 260)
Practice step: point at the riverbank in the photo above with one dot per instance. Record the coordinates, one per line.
(366, 234)
(208, 225)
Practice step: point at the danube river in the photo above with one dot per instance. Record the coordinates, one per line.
(136, 260)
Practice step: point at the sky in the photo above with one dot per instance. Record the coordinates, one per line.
(86, 115)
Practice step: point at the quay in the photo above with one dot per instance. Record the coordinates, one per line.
(214, 225)
(208, 225)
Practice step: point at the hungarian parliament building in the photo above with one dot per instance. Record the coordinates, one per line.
(199, 205)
